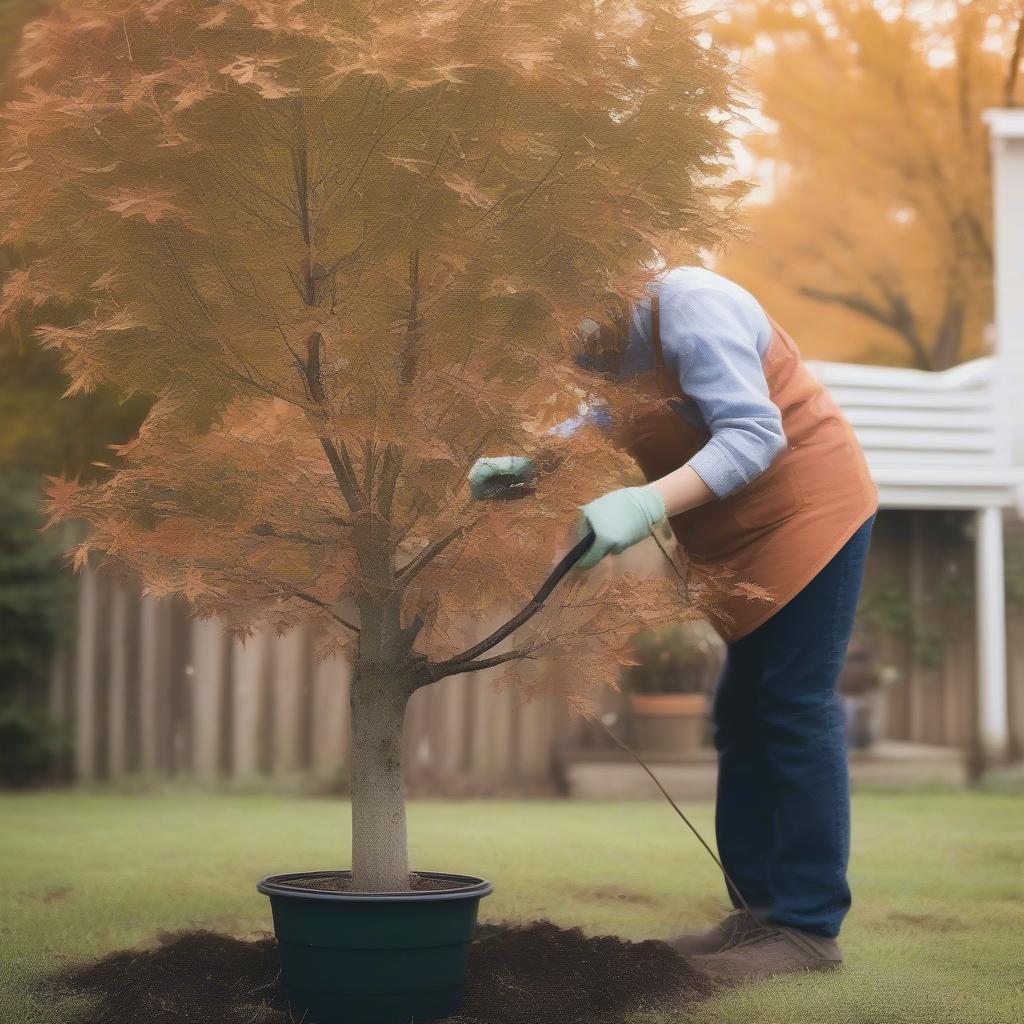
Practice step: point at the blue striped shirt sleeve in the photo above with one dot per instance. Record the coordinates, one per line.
(711, 348)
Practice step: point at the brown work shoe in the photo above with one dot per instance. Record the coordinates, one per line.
(773, 950)
(733, 928)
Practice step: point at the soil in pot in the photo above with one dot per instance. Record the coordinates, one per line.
(535, 973)
(339, 882)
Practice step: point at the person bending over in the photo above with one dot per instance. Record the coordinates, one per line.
(758, 472)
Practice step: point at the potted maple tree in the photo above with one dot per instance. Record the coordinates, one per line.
(343, 247)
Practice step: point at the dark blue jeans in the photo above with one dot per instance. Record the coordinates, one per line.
(783, 813)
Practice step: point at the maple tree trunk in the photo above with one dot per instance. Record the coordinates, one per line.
(380, 848)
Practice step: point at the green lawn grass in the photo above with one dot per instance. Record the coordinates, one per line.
(936, 934)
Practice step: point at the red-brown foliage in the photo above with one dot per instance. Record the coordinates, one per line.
(344, 247)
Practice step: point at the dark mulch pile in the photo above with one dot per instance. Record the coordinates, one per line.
(525, 974)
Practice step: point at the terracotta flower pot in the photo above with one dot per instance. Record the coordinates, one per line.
(669, 723)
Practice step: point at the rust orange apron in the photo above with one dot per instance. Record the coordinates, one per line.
(782, 528)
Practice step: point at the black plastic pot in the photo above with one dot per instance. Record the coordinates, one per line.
(373, 958)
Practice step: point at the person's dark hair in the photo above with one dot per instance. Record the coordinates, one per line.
(599, 345)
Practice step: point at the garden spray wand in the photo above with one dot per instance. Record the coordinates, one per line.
(507, 487)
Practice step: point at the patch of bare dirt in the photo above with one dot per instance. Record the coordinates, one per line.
(930, 922)
(610, 894)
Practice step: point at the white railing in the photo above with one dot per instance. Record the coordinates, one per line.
(933, 440)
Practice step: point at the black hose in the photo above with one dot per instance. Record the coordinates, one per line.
(545, 591)
(554, 578)
(527, 612)
(563, 567)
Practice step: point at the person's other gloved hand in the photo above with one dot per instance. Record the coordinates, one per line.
(486, 470)
(619, 520)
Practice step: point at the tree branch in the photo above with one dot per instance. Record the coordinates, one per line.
(533, 191)
(323, 605)
(267, 530)
(949, 334)
(897, 318)
(341, 466)
(452, 668)
(410, 351)
(336, 454)
(411, 569)
(904, 323)
(1010, 84)
(391, 467)
(523, 615)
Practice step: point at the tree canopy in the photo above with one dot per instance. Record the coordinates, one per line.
(343, 247)
(39, 433)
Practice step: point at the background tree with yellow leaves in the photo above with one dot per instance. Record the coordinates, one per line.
(874, 239)
(343, 248)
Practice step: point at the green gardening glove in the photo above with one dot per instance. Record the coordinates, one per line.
(619, 520)
(485, 470)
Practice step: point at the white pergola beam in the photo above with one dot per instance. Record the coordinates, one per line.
(1007, 135)
(993, 715)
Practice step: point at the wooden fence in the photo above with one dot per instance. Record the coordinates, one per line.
(150, 692)
(934, 699)
(146, 691)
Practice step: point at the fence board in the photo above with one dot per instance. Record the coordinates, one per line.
(122, 604)
(143, 690)
(330, 721)
(290, 685)
(252, 668)
(492, 727)
(209, 679)
(86, 683)
(154, 679)
(538, 723)
(417, 753)
(178, 713)
(1016, 673)
(921, 681)
(450, 728)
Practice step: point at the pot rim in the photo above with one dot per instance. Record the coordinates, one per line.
(465, 887)
(689, 699)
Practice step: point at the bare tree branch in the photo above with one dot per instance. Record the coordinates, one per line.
(411, 569)
(1013, 70)
(391, 468)
(897, 319)
(452, 668)
(267, 530)
(524, 614)
(410, 351)
(323, 605)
